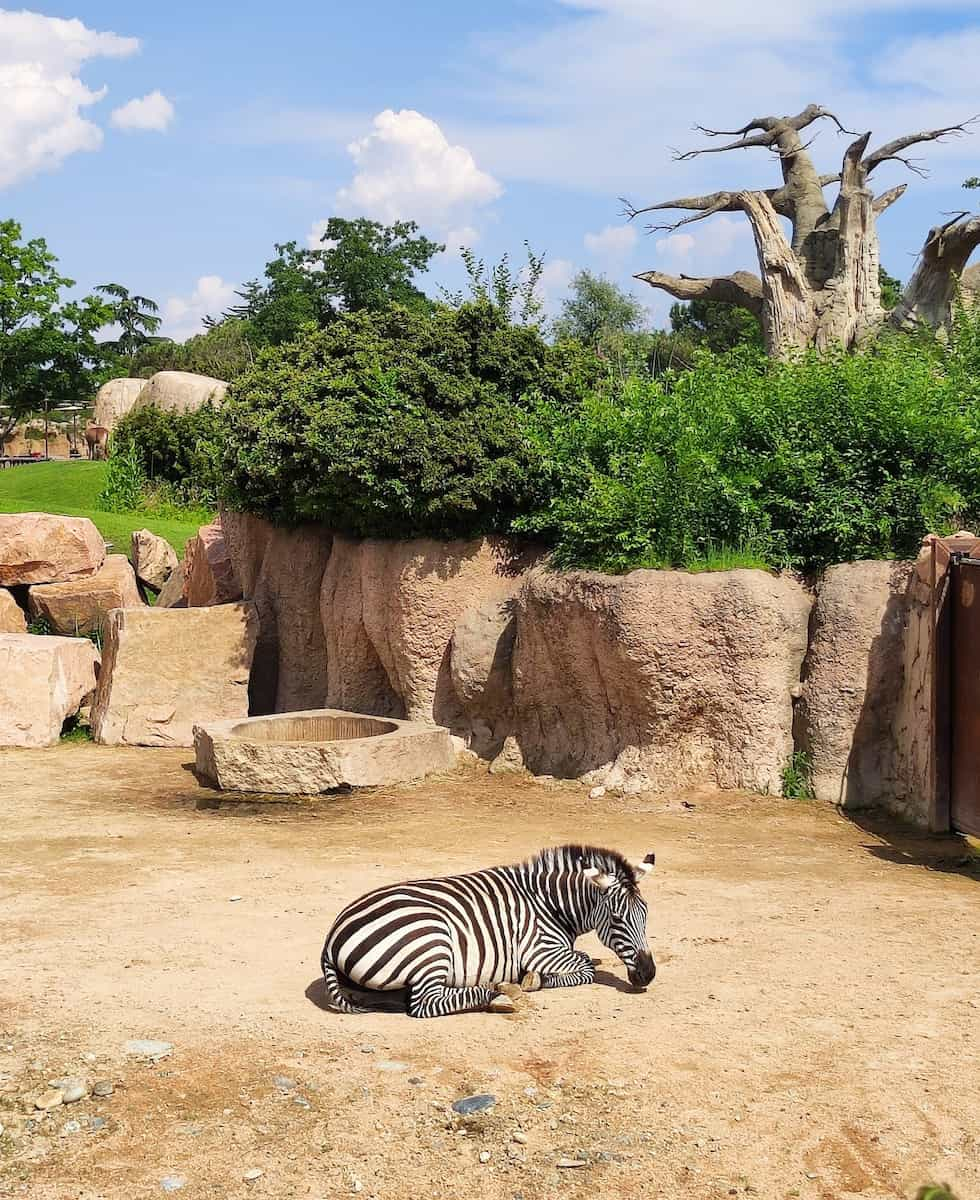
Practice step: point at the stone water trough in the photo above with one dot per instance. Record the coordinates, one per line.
(305, 753)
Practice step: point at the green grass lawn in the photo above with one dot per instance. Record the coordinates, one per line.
(72, 489)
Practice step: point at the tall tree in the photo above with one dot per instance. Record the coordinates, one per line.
(364, 266)
(821, 285)
(49, 353)
(136, 317)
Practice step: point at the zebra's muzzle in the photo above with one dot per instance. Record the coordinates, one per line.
(643, 970)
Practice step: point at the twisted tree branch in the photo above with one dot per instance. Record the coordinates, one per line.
(892, 150)
(741, 288)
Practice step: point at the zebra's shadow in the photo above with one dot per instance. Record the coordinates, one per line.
(379, 1002)
(397, 1002)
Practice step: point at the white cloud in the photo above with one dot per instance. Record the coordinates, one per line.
(151, 112)
(406, 169)
(183, 316)
(41, 95)
(612, 244)
(675, 245)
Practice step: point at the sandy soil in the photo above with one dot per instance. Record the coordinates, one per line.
(812, 1032)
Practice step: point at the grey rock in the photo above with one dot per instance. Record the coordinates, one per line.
(71, 1127)
(75, 1090)
(96, 1124)
(468, 1105)
(103, 1088)
(567, 1164)
(173, 1183)
(148, 1048)
(284, 1084)
(390, 1064)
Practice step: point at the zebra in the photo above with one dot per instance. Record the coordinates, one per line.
(456, 943)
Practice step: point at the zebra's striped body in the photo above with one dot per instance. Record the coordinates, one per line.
(450, 941)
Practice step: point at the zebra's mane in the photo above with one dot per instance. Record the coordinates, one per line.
(572, 856)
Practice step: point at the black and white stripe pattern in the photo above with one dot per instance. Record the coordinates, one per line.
(452, 941)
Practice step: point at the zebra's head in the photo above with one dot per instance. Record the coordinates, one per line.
(621, 918)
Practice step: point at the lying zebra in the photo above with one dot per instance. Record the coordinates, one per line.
(453, 942)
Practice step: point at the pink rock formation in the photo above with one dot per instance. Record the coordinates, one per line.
(82, 606)
(43, 681)
(41, 548)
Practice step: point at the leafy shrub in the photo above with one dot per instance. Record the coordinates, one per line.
(173, 451)
(823, 459)
(798, 777)
(397, 423)
(124, 478)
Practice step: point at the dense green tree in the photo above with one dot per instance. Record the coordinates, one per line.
(223, 350)
(49, 353)
(598, 312)
(891, 289)
(515, 294)
(364, 266)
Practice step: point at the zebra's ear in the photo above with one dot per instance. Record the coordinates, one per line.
(598, 878)
(644, 868)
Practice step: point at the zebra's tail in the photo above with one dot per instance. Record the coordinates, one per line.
(338, 997)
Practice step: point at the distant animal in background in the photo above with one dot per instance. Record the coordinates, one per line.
(97, 442)
(455, 942)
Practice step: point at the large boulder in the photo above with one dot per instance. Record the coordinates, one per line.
(41, 548)
(659, 679)
(166, 670)
(209, 573)
(180, 392)
(390, 611)
(82, 606)
(114, 400)
(43, 681)
(853, 679)
(154, 559)
(12, 618)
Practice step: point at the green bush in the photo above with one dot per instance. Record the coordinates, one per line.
(176, 453)
(398, 423)
(124, 478)
(824, 459)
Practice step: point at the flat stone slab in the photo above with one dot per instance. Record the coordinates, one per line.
(305, 753)
(165, 669)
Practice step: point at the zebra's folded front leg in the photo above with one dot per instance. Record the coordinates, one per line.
(435, 999)
(569, 969)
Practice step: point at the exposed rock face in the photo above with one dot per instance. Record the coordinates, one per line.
(43, 681)
(659, 678)
(390, 611)
(209, 574)
(172, 593)
(853, 680)
(82, 606)
(291, 641)
(180, 391)
(166, 670)
(114, 400)
(40, 548)
(309, 752)
(154, 559)
(12, 618)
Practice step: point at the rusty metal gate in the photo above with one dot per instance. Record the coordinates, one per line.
(964, 667)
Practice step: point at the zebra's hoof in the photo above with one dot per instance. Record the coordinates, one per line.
(508, 989)
(531, 982)
(502, 1004)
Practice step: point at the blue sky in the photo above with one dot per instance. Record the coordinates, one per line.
(488, 123)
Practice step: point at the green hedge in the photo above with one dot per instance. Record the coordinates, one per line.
(824, 459)
(397, 424)
(456, 423)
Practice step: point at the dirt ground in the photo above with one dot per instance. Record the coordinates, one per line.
(812, 1031)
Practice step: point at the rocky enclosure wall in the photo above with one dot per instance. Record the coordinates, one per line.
(654, 679)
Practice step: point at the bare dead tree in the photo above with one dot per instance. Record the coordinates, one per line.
(820, 286)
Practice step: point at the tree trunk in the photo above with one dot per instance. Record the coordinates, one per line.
(929, 296)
